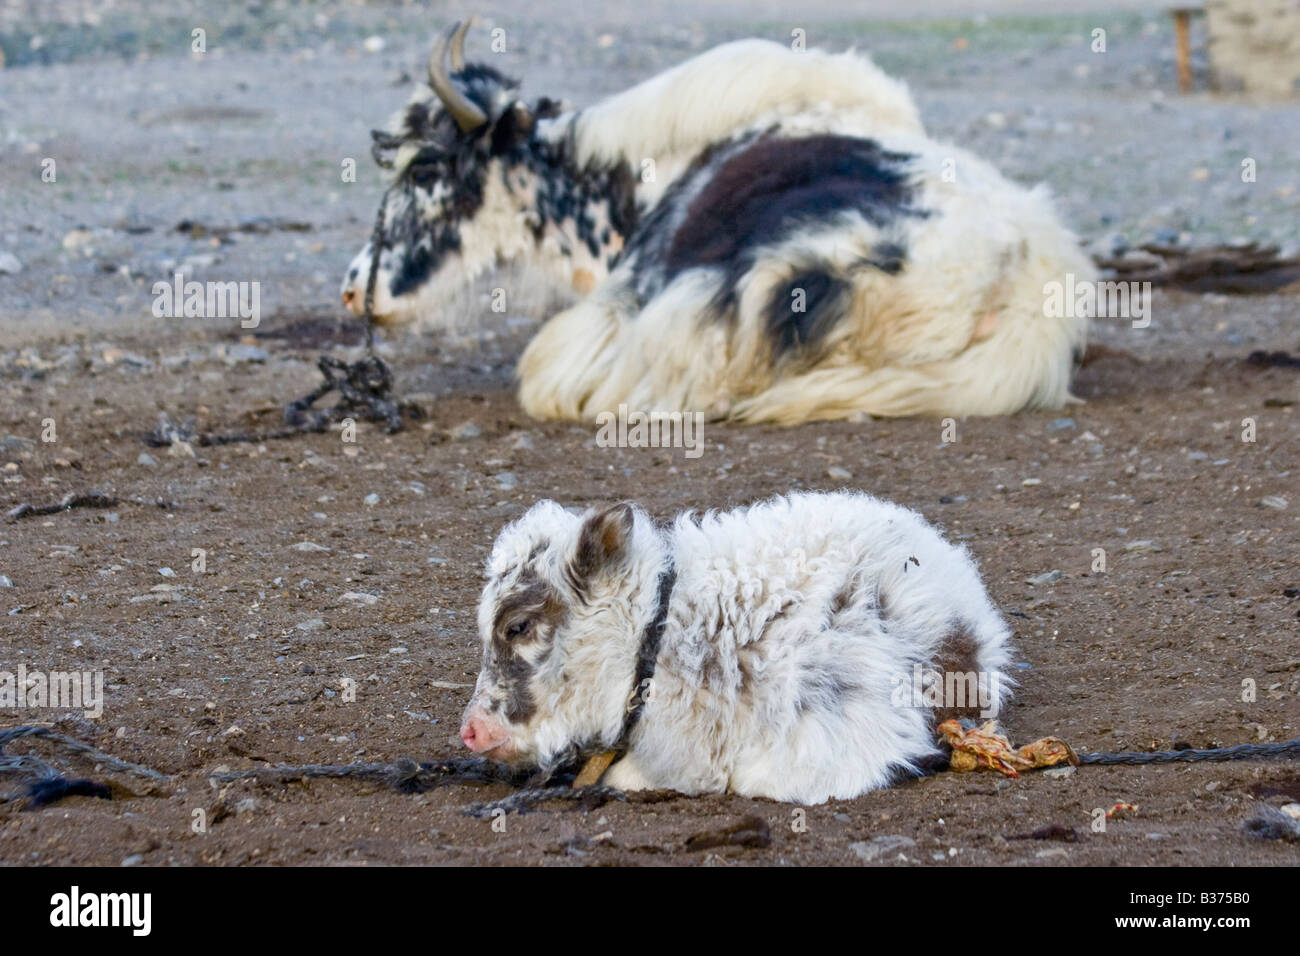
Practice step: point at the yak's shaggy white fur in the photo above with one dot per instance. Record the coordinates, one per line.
(955, 325)
(791, 627)
(671, 117)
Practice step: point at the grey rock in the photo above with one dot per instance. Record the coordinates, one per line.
(17, 446)
(1142, 546)
(1046, 578)
(244, 353)
(466, 430)
(876, 847)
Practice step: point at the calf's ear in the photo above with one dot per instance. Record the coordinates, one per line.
(604, 541)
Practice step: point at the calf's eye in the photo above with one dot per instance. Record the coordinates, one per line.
(518, 628)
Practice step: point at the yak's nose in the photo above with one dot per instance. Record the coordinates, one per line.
(481, 733)
(352, 293)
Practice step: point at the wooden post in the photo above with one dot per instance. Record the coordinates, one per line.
(1182, 35)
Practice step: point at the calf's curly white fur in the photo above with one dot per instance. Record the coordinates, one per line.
(796, 632)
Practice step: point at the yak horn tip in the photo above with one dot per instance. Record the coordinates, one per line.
(467, 114)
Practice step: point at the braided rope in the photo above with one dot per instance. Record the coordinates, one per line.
(1217, 755)
(403, 774)
(27, 762)
(408, 776)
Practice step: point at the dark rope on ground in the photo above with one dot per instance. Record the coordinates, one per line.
(403, 774)
(41, 784)
(44, 784)
(365, 386)
(90, 499)
(407, 776)
(1217, 755)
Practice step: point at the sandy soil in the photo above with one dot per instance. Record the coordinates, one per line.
(243, 664)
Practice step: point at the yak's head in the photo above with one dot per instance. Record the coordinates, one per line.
(463, 189)
(567, 599)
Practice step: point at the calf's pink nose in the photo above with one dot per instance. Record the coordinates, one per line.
(469, 735)
(481, 733)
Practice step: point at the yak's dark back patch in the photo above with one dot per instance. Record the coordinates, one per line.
(804, 309)
(764, 191)
(740, 196)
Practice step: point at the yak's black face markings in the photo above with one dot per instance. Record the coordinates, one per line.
(741, 196)
(524, 626)
(442, 186)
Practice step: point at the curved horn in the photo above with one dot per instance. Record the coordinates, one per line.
(466, 113)
(458, 46)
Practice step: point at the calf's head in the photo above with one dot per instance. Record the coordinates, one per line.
(463, 184)
(560, 621)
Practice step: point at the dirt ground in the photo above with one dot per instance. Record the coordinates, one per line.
(328, 561)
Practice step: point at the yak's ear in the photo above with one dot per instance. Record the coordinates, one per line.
(513, 128)
(604, 542)
(548, 108)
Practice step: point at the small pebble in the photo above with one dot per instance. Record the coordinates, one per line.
(147, 460)
(370, 500)
(466, 430)
(868, 850)
(838, 473)
(244, 353)
(1141, 546)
